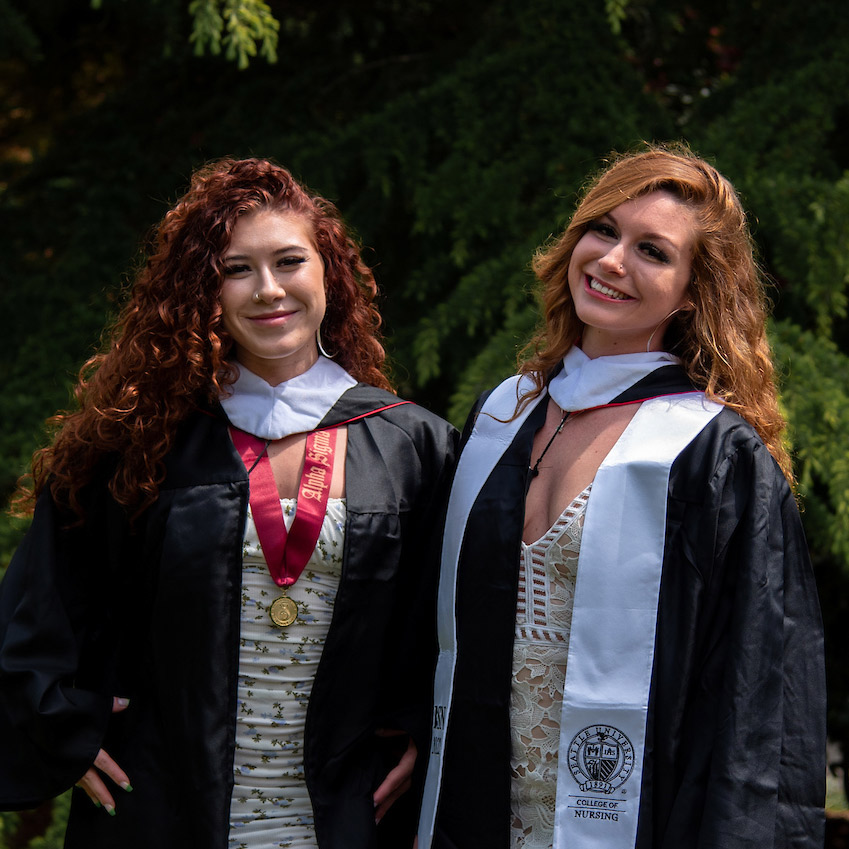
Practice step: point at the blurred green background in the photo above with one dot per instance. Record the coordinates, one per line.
(453, 137)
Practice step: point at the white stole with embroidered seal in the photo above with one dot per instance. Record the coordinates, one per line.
(629, 555)
(611, 643)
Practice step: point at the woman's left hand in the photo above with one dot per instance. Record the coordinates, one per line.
(398, 781)
(93, 783)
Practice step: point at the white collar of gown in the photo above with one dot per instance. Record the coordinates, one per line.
(294, 406)
(584, 383)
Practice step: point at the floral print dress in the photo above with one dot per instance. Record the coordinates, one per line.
(270, 806)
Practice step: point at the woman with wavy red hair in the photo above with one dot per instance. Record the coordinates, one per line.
(637, 658)
(221, 604)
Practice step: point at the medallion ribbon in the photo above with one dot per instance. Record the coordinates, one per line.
(287, 552)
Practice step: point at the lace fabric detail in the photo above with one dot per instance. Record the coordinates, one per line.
(547, 573)
(270, 807)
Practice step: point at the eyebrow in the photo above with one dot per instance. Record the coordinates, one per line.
(274, 253)
(658, 237)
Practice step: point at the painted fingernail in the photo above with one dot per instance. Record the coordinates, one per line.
(122, 702)
(96, 803)
(127, 786)
(109, 810)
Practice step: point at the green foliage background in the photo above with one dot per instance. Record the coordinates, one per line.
(454, 138)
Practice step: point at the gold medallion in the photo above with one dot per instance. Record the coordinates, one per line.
(283, 611)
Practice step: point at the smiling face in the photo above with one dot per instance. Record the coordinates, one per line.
(273, 298)
(629, 271)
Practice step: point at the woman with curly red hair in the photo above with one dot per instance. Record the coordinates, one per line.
(223, 597)
(637, 657)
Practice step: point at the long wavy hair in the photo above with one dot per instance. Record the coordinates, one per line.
(168, 351)
(722, 339)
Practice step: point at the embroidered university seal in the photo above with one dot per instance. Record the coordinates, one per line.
(601, 758)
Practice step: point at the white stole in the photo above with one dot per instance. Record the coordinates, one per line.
(613, 626)
(611, 643)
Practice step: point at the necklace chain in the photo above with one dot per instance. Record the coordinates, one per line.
(534, 470)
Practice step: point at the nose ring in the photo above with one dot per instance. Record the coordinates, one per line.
(256, 298)
(621, 268)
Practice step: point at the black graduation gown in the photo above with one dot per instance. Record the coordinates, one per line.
(152, 613)
(735, 748)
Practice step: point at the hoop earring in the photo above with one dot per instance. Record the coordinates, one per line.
(662, 321)
(321, 347)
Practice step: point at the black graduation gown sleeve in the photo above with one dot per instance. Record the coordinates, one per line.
(99, 609)
(56, 649)
(736, 752)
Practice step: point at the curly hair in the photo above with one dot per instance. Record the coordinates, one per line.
(168, 352)
(722, 339)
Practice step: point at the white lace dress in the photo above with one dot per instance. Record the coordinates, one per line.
(270, 807)
(547, 572)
